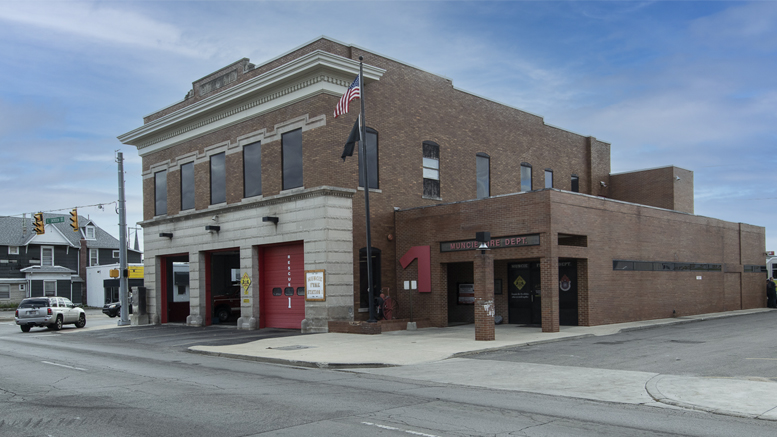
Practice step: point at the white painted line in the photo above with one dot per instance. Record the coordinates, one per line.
(399, 429)
(63, 365)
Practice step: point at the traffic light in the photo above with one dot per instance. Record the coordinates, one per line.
(74, 219)
(38, 225)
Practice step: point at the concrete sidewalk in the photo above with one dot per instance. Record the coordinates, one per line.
(436, 355)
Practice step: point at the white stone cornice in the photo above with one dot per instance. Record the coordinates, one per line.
(316, 73)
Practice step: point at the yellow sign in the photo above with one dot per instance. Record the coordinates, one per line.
(245, 282)
(113, 273)
(135, 272)
(519, 282)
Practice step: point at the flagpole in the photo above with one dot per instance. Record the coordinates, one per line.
(363, 154)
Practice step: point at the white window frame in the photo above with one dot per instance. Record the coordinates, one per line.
(45, 283)
(5, 288)
(116, 254)
(96, 258)
(13, 250)
(89, 234)
(42, 258)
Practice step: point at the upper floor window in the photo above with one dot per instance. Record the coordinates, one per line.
(372, 159)
(548, 178)
(291, 143)
(252, 170)
(526, 182)
(47, 256)
(116, 254)
(94, 257)
(483, 170)
(187, 186)
(160, 193)
(218, 179)
(90, 232)
(575, 184)
(13, 250)
(431, 165)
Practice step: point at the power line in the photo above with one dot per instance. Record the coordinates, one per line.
(98, 205)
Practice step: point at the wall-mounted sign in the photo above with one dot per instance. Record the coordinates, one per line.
(495, 243)
(315, 285)
(135, 272)
(466, 294)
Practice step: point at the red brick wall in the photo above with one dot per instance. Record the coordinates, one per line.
(666, 187)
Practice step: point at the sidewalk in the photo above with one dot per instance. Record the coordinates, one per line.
(433, 355)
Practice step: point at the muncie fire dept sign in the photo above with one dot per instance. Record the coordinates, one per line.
(495, 243)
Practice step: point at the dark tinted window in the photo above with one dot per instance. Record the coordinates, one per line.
(218, 179)
(160, 192)
(663, 266)
(575, 184)
(252, 170)
(34, 303)
(372, 159)
(548, 178)
(483, 169)
(187, 186)
(643, 266)
(623, 265)
(288, 291)
(276, 291)
(300, 291)
(292, 159)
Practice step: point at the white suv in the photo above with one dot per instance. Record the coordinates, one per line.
(51, 312)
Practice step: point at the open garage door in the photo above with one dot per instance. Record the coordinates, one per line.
(282, 291)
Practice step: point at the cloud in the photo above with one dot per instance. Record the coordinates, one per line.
(100, 23)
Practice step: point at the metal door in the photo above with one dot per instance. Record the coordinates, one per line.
(282, 292)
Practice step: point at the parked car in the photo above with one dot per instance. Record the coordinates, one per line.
(227, 305)
(51, 312)
(113, 309)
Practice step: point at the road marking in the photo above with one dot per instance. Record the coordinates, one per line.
(62, 365)
(399, 429)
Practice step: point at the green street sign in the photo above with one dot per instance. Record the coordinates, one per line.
(55, 220)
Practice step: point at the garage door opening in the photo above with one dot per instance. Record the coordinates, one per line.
(223, 287)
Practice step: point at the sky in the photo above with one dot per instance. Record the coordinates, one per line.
(683, 83)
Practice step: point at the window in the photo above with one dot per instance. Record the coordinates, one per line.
(50, 288)
(187, 186)
(13, 250)
(90, 232)
(5, 291)
(252, 170)
(525, 177)
(47, 256)
(575, 184)
(94, 257)
(218, 179)
(372, 159)
(483, 169)
(291, 143)
(431, 165)
(116, 254)
(548, 178)
(160, 193)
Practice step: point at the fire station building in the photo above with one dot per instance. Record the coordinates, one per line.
(243, 184)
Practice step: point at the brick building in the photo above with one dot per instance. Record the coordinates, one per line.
(243, 182)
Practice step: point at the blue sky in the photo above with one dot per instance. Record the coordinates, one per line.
(691, 84)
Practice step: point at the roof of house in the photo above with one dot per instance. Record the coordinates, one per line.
(12, 234)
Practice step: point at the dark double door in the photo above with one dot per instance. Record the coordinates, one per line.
(524, 285)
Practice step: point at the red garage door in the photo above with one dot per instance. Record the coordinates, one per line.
(283, 293)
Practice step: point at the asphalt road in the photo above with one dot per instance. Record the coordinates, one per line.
(139, 381)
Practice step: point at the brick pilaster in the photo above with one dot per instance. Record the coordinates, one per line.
(484, 296)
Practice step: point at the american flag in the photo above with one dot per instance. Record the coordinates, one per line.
(351, 93)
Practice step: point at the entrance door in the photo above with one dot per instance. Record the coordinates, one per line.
(567, 292)
(283, 287)
(524, 290)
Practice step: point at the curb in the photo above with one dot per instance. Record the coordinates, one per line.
(651, 386)
(294, 363)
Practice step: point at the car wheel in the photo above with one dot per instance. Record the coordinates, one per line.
(56, 326)
(81, 321)
(25, 328)
(223, 314)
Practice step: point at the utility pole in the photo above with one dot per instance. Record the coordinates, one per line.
(124, 314)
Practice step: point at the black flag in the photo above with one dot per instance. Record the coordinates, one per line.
(352, 139)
